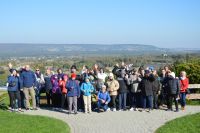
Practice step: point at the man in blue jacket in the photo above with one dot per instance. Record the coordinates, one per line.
(28, 83)
(103, 99)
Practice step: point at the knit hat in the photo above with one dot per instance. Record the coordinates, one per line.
(73, 75)
(111, 75)
(103, 86)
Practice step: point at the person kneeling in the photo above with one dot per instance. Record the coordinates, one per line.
(103, 99)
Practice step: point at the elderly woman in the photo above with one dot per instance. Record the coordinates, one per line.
(113, 87)
(103, 99)
(73, 92)
(184, 82)
(87, 88)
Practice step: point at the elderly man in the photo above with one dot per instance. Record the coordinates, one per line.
(103, 99)
(28, 83)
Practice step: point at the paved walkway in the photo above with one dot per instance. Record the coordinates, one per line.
(116, 122)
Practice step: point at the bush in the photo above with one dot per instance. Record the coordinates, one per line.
(192, 68)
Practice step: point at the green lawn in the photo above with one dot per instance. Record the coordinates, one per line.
(20, 123)
(186, 124)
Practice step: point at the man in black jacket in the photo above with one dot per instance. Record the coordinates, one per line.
(146, 87)
(172, 88)
(156, 89)
(123, 89)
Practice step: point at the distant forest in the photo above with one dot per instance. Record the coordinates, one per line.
(176, 62)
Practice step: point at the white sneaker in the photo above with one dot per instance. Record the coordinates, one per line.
(136, 109)
(131, 109)
(114, 109)
(119, 110)
(108, 109)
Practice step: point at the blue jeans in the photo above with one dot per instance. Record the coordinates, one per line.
(147, 100)
(37, 97)
(133, 99)
(183, 99)
(122, 100)
(102, 106)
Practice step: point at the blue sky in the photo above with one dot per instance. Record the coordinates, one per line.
(163, 23)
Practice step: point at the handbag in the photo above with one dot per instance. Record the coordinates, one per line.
(12, 84)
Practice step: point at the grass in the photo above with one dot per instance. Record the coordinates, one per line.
(4, 100)
(186, 124)
(20, 123)
(192, 102)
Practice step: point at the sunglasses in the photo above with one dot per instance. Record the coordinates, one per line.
(37, 70)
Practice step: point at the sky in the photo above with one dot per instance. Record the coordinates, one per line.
(162, 23)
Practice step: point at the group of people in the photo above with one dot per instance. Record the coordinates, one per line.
(123, 88)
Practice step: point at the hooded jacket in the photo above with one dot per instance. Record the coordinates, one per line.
(87, 88)
(172, 86)
(113, 87)
(14, 83)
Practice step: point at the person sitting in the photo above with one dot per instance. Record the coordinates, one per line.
(103, 99)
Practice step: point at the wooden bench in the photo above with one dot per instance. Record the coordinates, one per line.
(194, 92)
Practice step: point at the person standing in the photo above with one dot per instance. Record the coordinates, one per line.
(56, 91)
(28, 83)
(173, 88)
(87, 88)
(48, 86)
(184, 83)
(14, 87)
(62, 84)
(113, 87)
(123, 89)
(156, 89)
(73, 92)
(134, 83)
(146, 87)
(101, 75)
(39, 85)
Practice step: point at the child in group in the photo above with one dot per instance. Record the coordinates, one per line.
(87, 88)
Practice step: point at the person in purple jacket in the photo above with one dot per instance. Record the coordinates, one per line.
(56, 92)
(73, 92)
(103, 99)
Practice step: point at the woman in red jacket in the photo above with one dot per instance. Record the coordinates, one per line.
(62, 84)
(184, 82)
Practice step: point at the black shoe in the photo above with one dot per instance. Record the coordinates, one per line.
(176, 110)
(75, 113)
(169, 109)
(27, 109)
(69, 113)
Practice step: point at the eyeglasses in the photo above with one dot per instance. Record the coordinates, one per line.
(37, 70)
